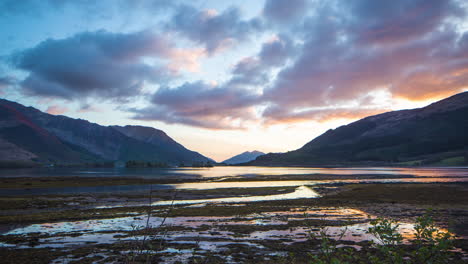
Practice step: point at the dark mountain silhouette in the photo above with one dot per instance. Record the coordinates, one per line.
(244, 157)
(433, 134)
(161, 140)
(29, 134)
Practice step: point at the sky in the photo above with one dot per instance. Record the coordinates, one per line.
(224, 77)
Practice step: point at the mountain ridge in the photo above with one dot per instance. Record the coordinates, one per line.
(406, 137)
(59, 138)
(243, 157)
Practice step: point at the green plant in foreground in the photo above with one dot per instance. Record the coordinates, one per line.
(386, 233)
(431, 245)
(329, 251)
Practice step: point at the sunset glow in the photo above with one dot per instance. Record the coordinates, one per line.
(223, 77)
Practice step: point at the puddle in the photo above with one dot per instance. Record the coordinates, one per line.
(199, 236)
(107, 231)
(300, 192)
(241, 184)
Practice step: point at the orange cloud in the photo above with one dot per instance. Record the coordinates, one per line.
(321, 116)
(57, 110)
(186, 59)
(431, 85)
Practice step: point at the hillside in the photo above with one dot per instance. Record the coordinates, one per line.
(27, 134)
(435, 134)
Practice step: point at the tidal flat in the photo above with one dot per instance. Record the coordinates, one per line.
(248, 218)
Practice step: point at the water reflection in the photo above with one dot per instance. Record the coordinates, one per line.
(230, 171)
(218, 185)
(242, 171)
(106, 231)
(300, 192)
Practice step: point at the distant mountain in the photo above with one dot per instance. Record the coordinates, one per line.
(244, 157)
(29, 134)
(432, 135)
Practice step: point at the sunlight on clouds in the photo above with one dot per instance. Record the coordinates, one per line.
(400, 103)
(186, 59)
(223, 77)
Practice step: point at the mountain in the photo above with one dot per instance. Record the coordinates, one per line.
(28, 134)
(244, 157)
(433, 135)
(161, 140)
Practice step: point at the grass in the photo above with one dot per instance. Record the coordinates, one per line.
(453, 161)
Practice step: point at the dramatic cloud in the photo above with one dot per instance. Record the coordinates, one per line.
(200, 104)
(102, 64)
(341, 61)
(226, 106)
(284, 10)
(323, 60)
(212, 29)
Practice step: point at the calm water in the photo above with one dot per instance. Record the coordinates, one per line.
(392, 175)
(231, 172)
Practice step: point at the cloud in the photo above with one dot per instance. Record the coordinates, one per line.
(229, 105)
(276, 115)
(226, 106)
(201, 104)
(5, 82)
(322, 56)
(284, 10)
(211, 29)
(277, 50)
(57, 110)
(87, 107)
(101, 64)
(256, 70)
(395, 21)
(339, 61)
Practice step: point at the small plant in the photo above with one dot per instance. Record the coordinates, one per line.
(329, 252)
(431, 245)
(386, 233)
